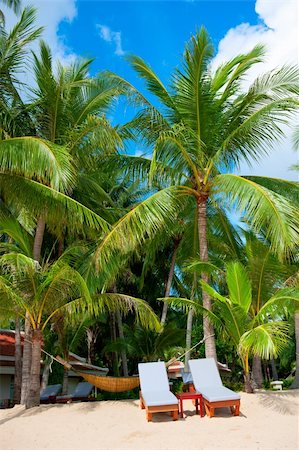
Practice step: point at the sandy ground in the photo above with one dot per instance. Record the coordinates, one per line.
(268, 420)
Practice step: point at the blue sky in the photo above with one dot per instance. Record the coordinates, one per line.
(158, 31)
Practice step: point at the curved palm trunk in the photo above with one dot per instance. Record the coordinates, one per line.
(295, 384)
(37, 246)
(257, 373)
(18, 363)
(176, 244)
(33, 398)
(210, 345)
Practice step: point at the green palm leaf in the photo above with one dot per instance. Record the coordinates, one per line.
(239, 285)
(58, 209)
(262, 208)
(266, 340)
(37, 159)
(141, 223)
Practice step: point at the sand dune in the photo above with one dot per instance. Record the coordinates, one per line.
(268, 420)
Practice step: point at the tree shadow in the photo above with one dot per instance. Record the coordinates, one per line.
(20, 411)
(285, 402)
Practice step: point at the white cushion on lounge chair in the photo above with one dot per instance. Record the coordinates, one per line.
(207, 381)
(153, 377)
(218, 394)
(205, 372)
(159, 398)
(155, 385)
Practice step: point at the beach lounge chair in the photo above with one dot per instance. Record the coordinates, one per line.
(81, 393)
(155, 395)
(207, 382)
(49, 393)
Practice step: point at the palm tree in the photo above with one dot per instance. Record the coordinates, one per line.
(42, 292)
(252, 331)
(204, 126)
(15, 5)
(149, 345)
(266, 273)
(14, 57)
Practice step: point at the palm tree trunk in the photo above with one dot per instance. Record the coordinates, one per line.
(26, 367)
(37, 246)
(38, 238)
(188, 336)
(176, 243)
(248, 385)
(113, 338)
(18, 363)
(295, 384)
(123, 355)
(33, 398)
(257, 373)
(46, 373)
(273, 370)
(210, 345)
(60, 246)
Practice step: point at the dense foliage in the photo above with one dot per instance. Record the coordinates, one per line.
(97, 244)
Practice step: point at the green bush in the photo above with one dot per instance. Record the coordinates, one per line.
(132, 395)
(287, 383)
(234, 385)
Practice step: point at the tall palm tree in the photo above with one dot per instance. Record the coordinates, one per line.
(205, 124)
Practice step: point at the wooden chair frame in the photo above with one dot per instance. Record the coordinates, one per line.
(173, 409)
(210, 407)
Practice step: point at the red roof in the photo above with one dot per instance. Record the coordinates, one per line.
(7, 342)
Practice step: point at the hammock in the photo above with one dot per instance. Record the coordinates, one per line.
(109, 384)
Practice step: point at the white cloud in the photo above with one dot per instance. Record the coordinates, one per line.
(50, 13)
(111, 36)
(278, 30)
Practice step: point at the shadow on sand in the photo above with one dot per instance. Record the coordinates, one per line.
(285, 402)
(84, 407)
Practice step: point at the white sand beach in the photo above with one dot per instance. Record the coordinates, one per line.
(268, 420)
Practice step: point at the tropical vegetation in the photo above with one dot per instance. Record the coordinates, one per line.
(104, 252)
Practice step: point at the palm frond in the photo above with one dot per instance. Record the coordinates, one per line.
(37, 159)
(266, 340)
(262, 208)
(239, 285)
(139, 224)
(58, 209)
